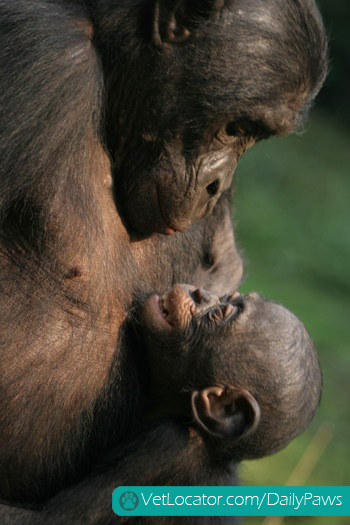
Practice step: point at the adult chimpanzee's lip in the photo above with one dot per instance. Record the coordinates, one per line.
(169, 229)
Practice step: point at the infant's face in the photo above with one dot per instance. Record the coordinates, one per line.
(189, 319)
(190, 332)
(197, 340)
(185, 305)
(183, 325)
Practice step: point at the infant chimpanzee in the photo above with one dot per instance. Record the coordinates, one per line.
(243, 371)
(231, 378)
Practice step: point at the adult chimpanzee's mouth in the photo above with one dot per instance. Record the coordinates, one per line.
(168, 230)
(169, 227)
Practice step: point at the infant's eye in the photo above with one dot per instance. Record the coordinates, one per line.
(223, 311)
(230, 310)
(216, 314)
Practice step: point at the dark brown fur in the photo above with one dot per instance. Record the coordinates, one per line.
(95, 114)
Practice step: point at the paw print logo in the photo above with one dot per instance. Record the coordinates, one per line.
(129, 501)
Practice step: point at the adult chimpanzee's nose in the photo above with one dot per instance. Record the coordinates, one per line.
(213, 188)
(217, 173)
(214, 177)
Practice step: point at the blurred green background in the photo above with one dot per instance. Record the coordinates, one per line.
(292, 221)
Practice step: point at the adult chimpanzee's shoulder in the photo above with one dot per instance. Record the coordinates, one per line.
(50, 91)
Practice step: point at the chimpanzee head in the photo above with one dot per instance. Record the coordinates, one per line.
(245, 369)
(191, 85)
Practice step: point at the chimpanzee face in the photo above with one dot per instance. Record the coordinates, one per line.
(192, 334)
(213, 78)
(185, 309)
(259, 351)
(182, 178)
(190, 325)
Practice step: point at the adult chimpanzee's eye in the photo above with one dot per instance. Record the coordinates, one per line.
(231, 132)
(241, 131)
(234, 129)
(246, 129)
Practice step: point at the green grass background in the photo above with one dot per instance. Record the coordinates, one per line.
(292, 218)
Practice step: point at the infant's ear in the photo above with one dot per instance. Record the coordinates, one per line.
(225, 412)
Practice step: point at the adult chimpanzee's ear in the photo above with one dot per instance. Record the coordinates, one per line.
(174, 20)
(227, 412)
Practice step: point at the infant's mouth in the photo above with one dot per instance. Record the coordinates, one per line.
(165, 312)
(176, 309)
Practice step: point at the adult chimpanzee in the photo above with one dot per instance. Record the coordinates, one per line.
(120, 119)
(223, 373)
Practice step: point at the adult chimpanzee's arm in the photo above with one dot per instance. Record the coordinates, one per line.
(58, 319)
(161, 456)
(80, 78)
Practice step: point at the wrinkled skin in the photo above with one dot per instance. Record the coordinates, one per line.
(176, 309)
(202, 98)
(122, 121)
